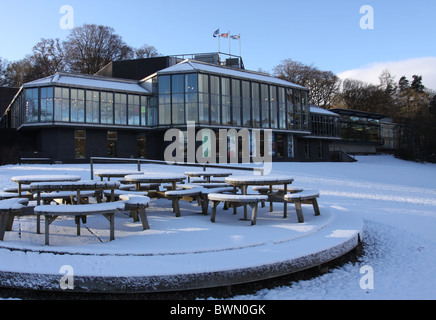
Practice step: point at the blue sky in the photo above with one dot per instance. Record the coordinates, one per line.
(324, 33)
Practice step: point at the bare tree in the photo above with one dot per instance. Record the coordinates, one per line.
(90, 47)
(323, 85)
(48, 57)
(146, 51)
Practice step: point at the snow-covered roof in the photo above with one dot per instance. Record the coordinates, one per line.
(195, 66)
(318, 110)
(89, 81)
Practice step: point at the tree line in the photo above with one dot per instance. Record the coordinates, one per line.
(408, 102)
(87, 49)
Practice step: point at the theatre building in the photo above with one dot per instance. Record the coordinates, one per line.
(125, 110)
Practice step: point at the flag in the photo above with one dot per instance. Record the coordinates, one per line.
(236, 37)
(216, 33)
(225, 35)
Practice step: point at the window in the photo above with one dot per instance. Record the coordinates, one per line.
(215, 115)
(92, 107)
(290, 108)
(46, 104)
(133, 111)
(164, 100)
(297, 106)
(145, 107)
(203, 96)
(191, 97)
(120, 108)
(246, 104)
(80, 144)
(255, 104)
(305, 110)
(112, 144)
(236, 102)
(320, 150)
(62, 104)
(32, 105)
(77, 105)
(141, 144)
(107, 108)
(178, 99)
(290, 146)
(279, 146)
(274, 107)
(264, 100)
(225, 101)
(307, 149)
(282, 108)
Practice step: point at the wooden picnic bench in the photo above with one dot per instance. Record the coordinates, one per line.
(79, 212)
(237, 200)
(10, 208)
(305, 197)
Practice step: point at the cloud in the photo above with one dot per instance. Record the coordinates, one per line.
(425, 67)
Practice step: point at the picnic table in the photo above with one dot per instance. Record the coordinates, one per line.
(77, 186)
(155, 177)
(243, 182)
(27, 180)
(163, 177)
(206, 175)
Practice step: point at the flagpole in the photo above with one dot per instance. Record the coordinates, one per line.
(230, 43)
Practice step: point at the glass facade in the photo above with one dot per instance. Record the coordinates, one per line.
(73, 105)
(230, 102)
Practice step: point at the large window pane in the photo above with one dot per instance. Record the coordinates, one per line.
(255, 104)
(62, 104)
(246, 104)
(215, 92)
(120, 108)
(204, 107)
(32, 105)
(133, 111)
(290, 108)
(92, 107)
(107, 108)
(225, 101)
(191, 97)
(282, 108)
(264, 99)
(46, 104)
(77, 105)
(236, 102)
(273, 106)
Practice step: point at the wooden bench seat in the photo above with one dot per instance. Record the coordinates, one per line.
(8, 195)
(237, 200)
(176, 195)
(79, 212)
(8, 210)
(136, 205)
(305, 197)
(64, 196)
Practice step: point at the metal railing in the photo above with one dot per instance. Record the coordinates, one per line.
(139, 162)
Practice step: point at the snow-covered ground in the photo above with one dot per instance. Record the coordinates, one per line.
(396, 199)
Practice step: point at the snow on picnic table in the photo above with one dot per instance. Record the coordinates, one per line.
(396, 199)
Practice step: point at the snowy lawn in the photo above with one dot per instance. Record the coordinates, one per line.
(396, 199)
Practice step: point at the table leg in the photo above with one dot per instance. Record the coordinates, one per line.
(285, 208)
(271, 207)
(244, 192)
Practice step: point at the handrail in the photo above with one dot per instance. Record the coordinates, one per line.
(184, 164)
